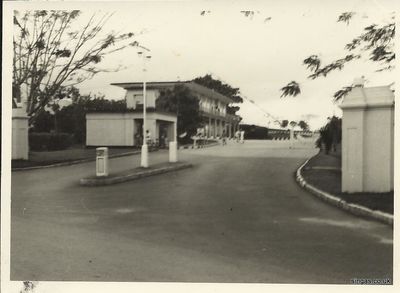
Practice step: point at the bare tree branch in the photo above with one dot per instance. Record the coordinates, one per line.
(49, 53)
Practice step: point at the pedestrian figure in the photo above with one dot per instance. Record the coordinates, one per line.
(162, 141)
(138, 139)
(223, 137)
(242, 136)
(148, 136)
(237, 135)
(201, 135)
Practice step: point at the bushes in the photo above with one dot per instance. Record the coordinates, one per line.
(254, 131)
(42, 141)
(330, 135)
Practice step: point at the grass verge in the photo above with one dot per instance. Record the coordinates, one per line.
(323, 171)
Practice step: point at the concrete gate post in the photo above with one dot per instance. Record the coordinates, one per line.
(368, 139)
(20, 141)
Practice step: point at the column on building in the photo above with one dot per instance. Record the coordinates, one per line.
(209, 127)
(215, 128)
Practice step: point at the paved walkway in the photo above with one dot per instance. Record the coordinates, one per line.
(236, 216)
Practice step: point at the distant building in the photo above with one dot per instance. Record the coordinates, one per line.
(213, 106)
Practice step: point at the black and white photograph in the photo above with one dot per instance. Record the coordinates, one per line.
(209, 145)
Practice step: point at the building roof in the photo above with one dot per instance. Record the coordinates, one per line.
(199, 89)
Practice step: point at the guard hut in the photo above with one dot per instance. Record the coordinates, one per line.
(368, 139)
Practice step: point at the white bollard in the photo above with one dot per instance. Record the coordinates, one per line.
(102, 162)
(173, 152)
(144, 160)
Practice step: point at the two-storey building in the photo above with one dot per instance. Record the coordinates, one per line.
(102, 127)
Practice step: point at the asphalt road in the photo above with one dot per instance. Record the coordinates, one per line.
(236, 216)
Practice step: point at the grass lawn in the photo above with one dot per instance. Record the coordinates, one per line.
(323, 171)
(74, 153)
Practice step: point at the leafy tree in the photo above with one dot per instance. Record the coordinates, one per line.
(284, 123)
(376, 40)
(293, 124)
(232, 109)
(304, 125)
(49, 53)
(44, 122)
(181, 101)
(330, 134)
(222, 88)
(72, 119)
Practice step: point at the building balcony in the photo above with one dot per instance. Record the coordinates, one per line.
(212, 112)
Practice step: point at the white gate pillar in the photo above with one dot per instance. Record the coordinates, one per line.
(20, 142)
(368, 139)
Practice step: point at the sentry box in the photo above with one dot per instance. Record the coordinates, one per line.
(101, 162)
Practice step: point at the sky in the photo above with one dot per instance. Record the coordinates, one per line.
(258, 54)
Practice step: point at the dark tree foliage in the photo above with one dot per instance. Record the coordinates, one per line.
(330, 135)
(72, 119)
(284, 123)
(340, 94)
(232, 109)
(29, 286)
(304, 125)
(181, 101)
(291, 89)
(44, 122)
(103, 105)
(220, 87)
(335, 65)
(345, 17)
(254, 131)
(313, 62)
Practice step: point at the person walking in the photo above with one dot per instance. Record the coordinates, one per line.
(223, 137)
(148, 137)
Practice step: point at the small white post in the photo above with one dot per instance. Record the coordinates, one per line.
(173, 152)
(102, 162)
(144, 159)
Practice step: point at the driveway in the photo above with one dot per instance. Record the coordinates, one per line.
(236, 216)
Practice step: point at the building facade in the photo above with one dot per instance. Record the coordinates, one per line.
(100, 127)
(213, 105)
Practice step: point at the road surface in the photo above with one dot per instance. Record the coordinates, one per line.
(236, 216)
